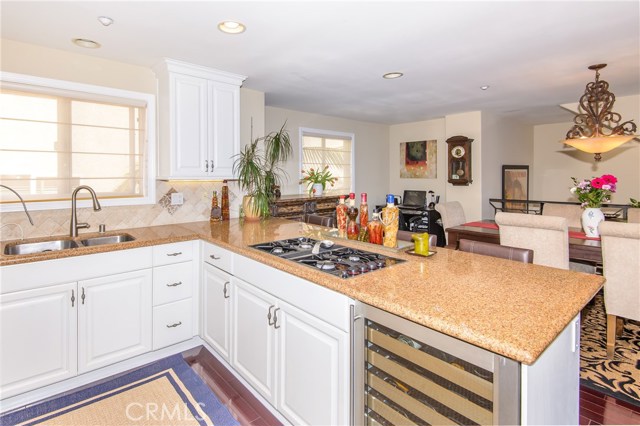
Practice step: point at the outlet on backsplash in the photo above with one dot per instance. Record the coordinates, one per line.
(177, 199)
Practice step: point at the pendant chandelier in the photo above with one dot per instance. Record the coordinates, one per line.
(596, 128)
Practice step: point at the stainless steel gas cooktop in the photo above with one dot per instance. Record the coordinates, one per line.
(341, 261)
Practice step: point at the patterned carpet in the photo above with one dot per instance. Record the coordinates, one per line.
(619, 377)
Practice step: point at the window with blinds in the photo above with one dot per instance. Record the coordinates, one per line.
(320, 149)
(52, 141)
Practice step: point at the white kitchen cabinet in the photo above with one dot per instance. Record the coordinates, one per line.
(216, 288)
(200, 121)
(114, 318)
(38, 329)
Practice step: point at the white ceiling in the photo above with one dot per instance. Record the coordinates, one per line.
(329, 57)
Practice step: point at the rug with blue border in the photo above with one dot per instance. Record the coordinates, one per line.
(167, 392)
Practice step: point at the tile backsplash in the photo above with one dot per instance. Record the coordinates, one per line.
(196, 207)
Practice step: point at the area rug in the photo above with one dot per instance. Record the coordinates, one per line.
(620, 376)
(167, 392)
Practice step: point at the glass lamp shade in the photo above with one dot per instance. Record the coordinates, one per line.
(599, 144)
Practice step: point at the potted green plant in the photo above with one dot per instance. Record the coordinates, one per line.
(317, 180)
(257, 168)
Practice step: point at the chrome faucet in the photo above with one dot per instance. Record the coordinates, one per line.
(74, 215)
(24, 206)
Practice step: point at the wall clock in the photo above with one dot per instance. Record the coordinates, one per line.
(459, 161)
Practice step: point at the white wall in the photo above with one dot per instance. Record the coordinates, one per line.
(554, 164)
(371, 145)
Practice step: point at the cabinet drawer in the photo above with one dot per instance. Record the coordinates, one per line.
(172, 323)
(172, 253)
(172, 282)
(218, 257)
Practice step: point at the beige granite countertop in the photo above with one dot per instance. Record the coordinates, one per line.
(506, 307)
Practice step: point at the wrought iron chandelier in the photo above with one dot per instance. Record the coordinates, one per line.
(596, 128)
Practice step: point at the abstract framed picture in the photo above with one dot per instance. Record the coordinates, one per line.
(515, 186)
(418, 159)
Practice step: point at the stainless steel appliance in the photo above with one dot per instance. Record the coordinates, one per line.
(340, 261)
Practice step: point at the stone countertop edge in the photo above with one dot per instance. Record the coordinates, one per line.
(516, 313)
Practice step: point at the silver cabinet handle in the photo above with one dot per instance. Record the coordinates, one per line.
(275, 318)
(174, 254)
(73, 298)
(82, 297)
(269, 315)
(214, 257)
(206, 166)
(175, 284)
(225, 290)
(174, 325)
(211, 166)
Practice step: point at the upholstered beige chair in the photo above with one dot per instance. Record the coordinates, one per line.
(621, 264)
(547, 236)
(496, 250)
(633, 215)
(571, 212)
(452, 214)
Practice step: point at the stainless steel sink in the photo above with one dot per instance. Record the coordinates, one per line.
(111, 239)
(40, 247)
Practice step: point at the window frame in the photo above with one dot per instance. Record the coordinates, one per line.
(89, 90)
(326, 134)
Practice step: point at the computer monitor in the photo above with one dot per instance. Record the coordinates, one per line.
(414, 198)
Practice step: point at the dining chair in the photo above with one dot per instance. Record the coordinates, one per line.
(406, 236)
(495, 250)
(633, 215)
(316, 219)
(547, 236)
(452, 214)
(572, 212)
(621, 266)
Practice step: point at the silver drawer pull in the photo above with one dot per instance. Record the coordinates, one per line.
(214, 257)
(175, 284)
(174, 254)
(174, 325)
(225, 290)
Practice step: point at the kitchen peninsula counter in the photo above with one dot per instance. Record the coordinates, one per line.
(509, 308)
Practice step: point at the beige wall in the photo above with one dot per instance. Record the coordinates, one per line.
(554, 165)
(371, 145)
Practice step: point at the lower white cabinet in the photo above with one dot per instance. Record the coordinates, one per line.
(38, 329)
(216, 294)
(295, 360)
(172, 323)
(114, 314)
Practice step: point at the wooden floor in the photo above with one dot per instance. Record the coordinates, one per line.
(595, 408)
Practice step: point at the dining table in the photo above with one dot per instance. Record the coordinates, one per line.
(581, 247)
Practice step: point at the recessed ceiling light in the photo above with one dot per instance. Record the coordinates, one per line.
(391, 75)
(484, 87)
(231, 27)
(83, 42)
(105, 20)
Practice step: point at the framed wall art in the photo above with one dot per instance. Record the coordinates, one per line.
(418, 159)
(515, 186)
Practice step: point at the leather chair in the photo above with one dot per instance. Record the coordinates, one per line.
(571, 212)
(633, 215)
(547, 236)
(495, 250)
(621, 266)
(406, 236)
(316, 219)
(452, 215)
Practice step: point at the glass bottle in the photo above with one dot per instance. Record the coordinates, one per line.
(375, 228)
(364, 210)
(225, 201)
(216, 211)
(341, 216)
(390, 216)
(352, 213)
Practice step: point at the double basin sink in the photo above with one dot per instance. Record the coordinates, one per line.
(64, 244)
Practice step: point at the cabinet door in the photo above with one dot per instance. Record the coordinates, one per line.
(189, 123)
(114, 318)
(38, 329)
(252, 353)
(313, 369)
(224, 127)
(216, 302)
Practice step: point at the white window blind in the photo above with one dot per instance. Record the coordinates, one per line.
(53, 140)
(333, 150)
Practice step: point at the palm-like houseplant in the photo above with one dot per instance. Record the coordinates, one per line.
(258, 171)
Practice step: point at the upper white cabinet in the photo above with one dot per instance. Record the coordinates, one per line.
(199, 121)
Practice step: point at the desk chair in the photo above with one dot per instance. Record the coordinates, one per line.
(621, 264)
(495, 250)
(571, 212)
(633, 215)
(452, 214)
(547, 236)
